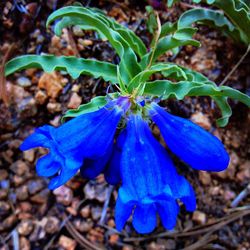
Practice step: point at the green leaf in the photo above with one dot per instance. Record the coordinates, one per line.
(165, 44)
(74, 66)
(225, 109)
(166, 89)
(95, 104)
(167, 69)
(211, 18)
(168, 28)
(129, 65)
(128, 35)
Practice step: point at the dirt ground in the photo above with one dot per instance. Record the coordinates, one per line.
(80, 215)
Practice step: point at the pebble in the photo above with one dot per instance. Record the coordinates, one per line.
(24, 243)
(3, 193)
(75, 101)
(202, 120)
(4, 208)
(54, 107)
(27, 107)
(77, 31)
(41, 197)
(3, 174)
(8, 223)
(41, 97)
(199, 217)
(85, 211)
(35, 186)
(98, 192)
(25, 227)
(83, 226)
(23, 81)
(19, 167)
(29, 155)
(205, 178)
(22, 193)
(67, 243)
(113, 239)
(64, 195)
(52, 225)
(96, 212)
(51, 82)
(244, 173)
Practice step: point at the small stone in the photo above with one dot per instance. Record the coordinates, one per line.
(54, 107)
(27, 107)
(29, 155)
(4, 208)
(75, 101)
(202, 120)
(53, 225)
(56, 121)
(24, 243)
(8, 223)
(85, 211)
(19, 167)
(3, 193)
(96, 213)
(83, 226)
(244, 173)
(51, 82)
(111, 223)
(67, 243)
(113, 239)
(22, 193)
(41, 197)
(98, 192)
(127, 247)
(25, 206)
(64, 195)
(199, 217)
(41, 97)
(77, 31)
(25, 227)
(205, 178)
(23, 81)
(35, 186)
(229, 195)
(75, 88)
(3, 174)
(85, 42)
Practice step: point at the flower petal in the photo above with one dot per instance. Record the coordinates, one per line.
(123, 208)
(168, 211)
(194, 145)
(144, 218)
(47, 166)
(92, 168)
(64, 175)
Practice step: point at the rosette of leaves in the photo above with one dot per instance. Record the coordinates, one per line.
(232, 17)
(132, 76)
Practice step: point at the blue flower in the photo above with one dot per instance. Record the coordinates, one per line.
(150, 183)
(88, 137)
(191, 143)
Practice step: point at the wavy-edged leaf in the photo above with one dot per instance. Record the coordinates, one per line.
(169, 43)
(166, 89)
(167, 70)
(225, 109)
(128, 65)
(95, 104)
(211, 18)
(128, 35)
(74, 66)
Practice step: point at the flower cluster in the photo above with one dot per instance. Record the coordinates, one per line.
(150, 184)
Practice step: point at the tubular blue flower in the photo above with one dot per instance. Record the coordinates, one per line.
(191, 143)
(88, 136)
(150, 183)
